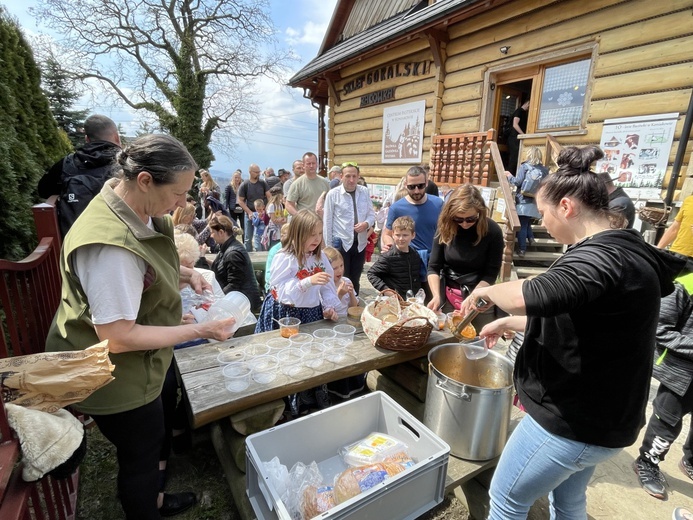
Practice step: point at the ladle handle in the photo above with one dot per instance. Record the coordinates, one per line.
(469, 317)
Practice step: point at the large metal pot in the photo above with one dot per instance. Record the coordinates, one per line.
(468, 402)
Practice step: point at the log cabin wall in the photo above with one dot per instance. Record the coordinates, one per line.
(641, 64)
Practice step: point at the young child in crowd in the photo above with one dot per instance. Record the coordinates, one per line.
(270, 256)
(259, 224)
(301, 286)
(345, 289)
(399, 269)
(347, 387)
(278, 216)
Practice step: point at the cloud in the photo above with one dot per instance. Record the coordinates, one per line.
(311, 30)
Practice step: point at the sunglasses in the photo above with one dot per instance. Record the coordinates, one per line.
(347, 164)
(467, 220)
(412, 187)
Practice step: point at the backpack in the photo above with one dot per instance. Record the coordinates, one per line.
(79, 186)
(530, 185)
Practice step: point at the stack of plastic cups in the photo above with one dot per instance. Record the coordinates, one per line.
(234, 304)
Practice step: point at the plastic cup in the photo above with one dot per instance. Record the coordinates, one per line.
(265, 369)
(322, 334)
(442, 319)
(290, 361)
(256, 350)
(300, 339)
(232, 355)
(475, 349)
(288, 326)
(233, 304)
(237, 376)
(335, 349)
(344, 332)
(313, 354)
(277, 344)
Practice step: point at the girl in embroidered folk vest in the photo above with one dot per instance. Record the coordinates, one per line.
(301, 277)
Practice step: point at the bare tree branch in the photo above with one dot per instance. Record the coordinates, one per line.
(193, 64)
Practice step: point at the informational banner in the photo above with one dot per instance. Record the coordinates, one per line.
(403, 127)
(636, 152)
(380, 192)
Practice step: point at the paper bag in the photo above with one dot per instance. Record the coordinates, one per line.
(52, 380)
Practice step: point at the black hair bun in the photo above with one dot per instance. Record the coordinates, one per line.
(578, 159)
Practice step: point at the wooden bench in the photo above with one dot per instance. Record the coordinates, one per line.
(29, 297)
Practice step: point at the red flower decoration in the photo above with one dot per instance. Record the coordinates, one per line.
(302, 274)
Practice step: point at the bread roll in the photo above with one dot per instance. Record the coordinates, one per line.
(317, 500)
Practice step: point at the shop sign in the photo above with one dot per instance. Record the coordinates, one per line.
(395, 70)
(380, 96)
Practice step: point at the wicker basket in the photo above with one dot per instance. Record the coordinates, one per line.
(402, 338)
(655, 216)
(411, 334)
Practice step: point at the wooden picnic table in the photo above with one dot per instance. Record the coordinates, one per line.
(207, 397)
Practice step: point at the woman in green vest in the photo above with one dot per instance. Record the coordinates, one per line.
(121, 278)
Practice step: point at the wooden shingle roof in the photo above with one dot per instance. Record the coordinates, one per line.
(375, 36)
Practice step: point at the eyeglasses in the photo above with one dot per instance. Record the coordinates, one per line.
(467, 220)
(412, 187)
(351, 163)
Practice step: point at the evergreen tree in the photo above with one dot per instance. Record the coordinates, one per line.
(29, 139)
(60, 90)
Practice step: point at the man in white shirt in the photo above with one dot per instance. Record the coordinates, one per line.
(306, 190)
(349, 217)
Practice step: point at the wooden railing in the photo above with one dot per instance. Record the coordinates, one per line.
(512, 221)
(474, 158)
(553, 148)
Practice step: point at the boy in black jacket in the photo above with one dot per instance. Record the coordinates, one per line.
(398, 269)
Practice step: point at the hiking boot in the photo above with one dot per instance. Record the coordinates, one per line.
(651, 478)
(686, 467)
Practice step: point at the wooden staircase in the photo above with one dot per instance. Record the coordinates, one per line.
(539, 256)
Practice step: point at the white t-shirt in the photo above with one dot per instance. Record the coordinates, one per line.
(113, 280)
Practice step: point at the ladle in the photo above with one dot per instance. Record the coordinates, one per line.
(474, 349)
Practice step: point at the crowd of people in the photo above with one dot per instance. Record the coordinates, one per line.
(589, 326)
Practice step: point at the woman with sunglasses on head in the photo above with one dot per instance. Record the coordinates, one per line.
(467, 249)
(583, 371)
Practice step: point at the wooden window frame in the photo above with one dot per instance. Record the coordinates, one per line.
(533, 67)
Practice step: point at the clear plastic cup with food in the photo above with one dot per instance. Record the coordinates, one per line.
(288, 326)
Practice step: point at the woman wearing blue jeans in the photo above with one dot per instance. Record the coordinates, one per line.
(529, 176)
(583, 371)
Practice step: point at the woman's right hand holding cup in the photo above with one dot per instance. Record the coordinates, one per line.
(220, 330)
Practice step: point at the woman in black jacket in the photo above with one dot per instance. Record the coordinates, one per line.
(467, 249)
(232, 266)
(583, 371)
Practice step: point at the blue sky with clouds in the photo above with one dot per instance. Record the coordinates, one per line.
(288, 122)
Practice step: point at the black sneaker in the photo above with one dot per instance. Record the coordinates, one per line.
(686, 467)
(651, 478)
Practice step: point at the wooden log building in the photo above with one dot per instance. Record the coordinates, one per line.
(474, 62)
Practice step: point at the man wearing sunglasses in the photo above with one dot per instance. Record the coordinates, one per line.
(420, 207)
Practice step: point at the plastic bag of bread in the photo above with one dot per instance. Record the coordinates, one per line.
(301, 477)
(317, 500)
(354, 481)
(374, 448)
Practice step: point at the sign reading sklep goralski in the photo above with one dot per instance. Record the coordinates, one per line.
(403, 127)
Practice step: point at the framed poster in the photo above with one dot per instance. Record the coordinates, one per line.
(636, 152)
(403, 127)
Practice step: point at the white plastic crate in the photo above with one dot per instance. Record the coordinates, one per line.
(319, 436)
